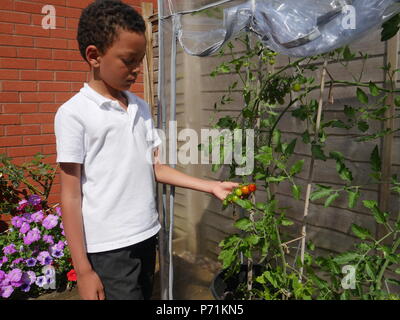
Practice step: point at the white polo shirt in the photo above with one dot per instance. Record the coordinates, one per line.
(118, 184)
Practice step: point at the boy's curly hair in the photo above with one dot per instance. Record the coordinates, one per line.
(100, 21)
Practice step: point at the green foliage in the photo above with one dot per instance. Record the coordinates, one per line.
(37, 175)
(268, 96)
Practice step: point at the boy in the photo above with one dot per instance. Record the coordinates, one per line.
(107, 183)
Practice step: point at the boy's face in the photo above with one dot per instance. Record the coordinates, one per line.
(119, 67)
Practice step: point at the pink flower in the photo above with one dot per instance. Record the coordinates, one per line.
(50, 221)
(38, 216)
(22, 205)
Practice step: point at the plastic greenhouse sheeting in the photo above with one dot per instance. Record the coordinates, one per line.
(293, 27)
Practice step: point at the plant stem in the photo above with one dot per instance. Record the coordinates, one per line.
(311, 170)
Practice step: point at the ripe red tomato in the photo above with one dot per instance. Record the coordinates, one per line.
(245, 190)
(252, 187)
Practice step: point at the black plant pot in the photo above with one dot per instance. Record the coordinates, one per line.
(225, 289)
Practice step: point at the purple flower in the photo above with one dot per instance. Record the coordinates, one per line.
(60, 245)
(16, 261)
(25, 287)
(38, 216)
(15, 277)
(56, 252)
(17, 221)
(44, 258)
(3, 260)
(40, 281)
(62, 226)
(48, 239)
(21, 248)
(25, 228)
(58, 210)
(2, 275)
(29, 277)
(27, 217)
(22, 204)
(6, 291)
(50, 221)
(34, 199)
(32, 236)
(10, 249)
(31, 262)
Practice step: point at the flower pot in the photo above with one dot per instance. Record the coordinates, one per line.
(225, 289)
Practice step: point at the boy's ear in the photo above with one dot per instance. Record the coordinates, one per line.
(93, 56)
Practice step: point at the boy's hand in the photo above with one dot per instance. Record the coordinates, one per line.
(90, 286)
(222, 189)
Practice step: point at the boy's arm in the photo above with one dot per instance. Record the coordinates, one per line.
(89, 284)
(168, 175)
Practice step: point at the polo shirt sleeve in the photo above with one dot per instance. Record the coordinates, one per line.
(152, 134)
(70, 137)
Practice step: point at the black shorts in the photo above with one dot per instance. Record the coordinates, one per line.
(127, 273)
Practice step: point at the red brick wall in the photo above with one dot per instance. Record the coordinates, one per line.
(39, 70)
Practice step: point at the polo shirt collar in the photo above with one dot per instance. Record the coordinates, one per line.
(100, 100)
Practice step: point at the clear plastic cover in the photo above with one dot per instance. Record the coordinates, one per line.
(292, 27)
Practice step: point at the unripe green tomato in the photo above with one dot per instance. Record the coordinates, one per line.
(296, 87)
(225, 202)
(238, 192)
(235, 198)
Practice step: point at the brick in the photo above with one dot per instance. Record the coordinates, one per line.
(37, 97)
(79, 66)
(6, 27)
(71, 23)
(71, 76)
(37, 118)
(39, 139)
(19, 41)
(16, 63)
(48, 107)
(76, 86)
(28, 7)
(68, 12)
(53, 65)
(62, 97)
(47, 128)
(20, 161)
(23, 151)
(22, 130)
(18, 108)
(19, 86)
(78, 3)
(63, 34)
(23, 18)
(52, 43)
(9, 74)
(7, 4)
(8, 51)
(52, 2)
(34, 53)
(73, 45)
(54, 86)
(36, 75)
(50, 149)
(9, 97)
(31, 31)
(10, 141)
(9, 119)
(67, 55)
